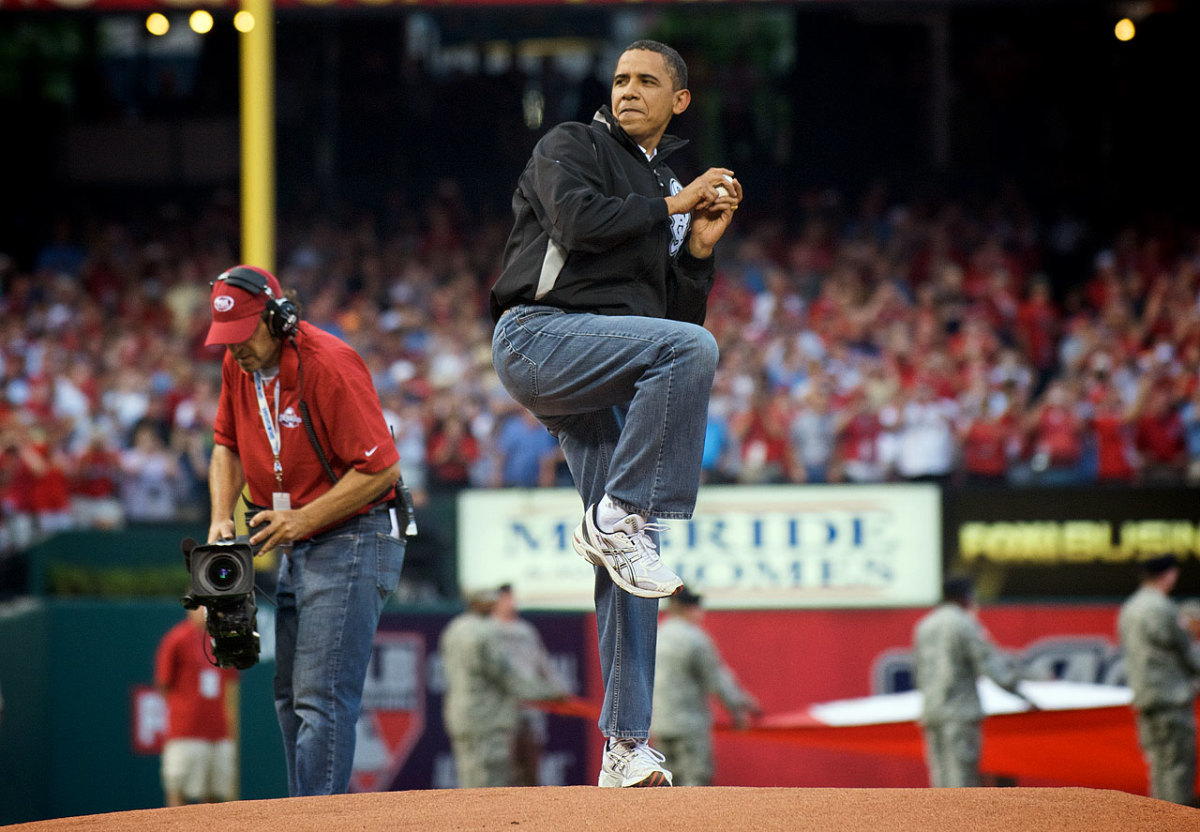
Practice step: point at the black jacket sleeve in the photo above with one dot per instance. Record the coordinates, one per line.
(574, 196)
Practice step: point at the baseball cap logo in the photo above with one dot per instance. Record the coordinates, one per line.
(222, 303)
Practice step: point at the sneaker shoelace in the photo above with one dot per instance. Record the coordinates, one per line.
(641, 544)
(629, 750)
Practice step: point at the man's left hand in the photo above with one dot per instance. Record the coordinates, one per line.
(709, 223)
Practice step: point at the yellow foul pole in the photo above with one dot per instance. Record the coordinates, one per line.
(258, 135)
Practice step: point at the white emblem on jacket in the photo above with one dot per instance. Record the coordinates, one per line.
(679, 222)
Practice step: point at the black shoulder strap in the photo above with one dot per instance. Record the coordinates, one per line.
(306, 418)
(312, 437)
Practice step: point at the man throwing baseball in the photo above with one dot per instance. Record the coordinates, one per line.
(599, 306)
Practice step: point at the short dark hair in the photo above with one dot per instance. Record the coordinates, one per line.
(1157, 565)
(676, 66)
(958, 589)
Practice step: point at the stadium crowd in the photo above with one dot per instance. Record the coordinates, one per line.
(877, 340)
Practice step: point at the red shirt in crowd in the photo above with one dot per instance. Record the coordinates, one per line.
(96, 473)
(1038, 322)
(1113, 448)
(764, 440)
(194, 689)
(859, 438)
(1160, 437)
(985, 447)
(450, 452)
(1058, 436)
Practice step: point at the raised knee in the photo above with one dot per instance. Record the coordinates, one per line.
(705, 347)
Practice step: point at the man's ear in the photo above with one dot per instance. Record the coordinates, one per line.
(682, 99)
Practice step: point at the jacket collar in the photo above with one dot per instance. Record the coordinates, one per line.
(667, 145)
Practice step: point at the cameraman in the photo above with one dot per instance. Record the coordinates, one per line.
(300, 423)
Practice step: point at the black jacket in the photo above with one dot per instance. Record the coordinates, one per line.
(592, 233)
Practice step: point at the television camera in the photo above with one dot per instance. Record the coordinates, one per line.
(223, 582)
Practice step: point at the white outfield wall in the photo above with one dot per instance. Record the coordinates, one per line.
(746, 547)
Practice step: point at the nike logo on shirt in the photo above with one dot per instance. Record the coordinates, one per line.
(373, 450)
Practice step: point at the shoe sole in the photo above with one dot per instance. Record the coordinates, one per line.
(589, 554)
(653, 779)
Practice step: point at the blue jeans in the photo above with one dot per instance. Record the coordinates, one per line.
(627, 398)
(331, 592)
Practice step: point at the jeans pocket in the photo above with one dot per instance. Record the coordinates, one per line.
(389, 553)
(516, 371)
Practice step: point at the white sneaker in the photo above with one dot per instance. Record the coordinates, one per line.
(629, 555)
(629, 763)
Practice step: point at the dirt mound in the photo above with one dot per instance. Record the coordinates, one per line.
(563, 809)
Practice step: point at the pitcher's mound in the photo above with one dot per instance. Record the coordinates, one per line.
(564, 809)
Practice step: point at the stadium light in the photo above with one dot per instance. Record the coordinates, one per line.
(157, 24)
(243, 22)
(1124, 30)
(201, 22)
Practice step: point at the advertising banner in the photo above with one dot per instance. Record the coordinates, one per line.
(746, 547)
(1070, 542)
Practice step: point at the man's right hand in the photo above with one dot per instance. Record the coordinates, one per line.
(221, 530)
(702, 193)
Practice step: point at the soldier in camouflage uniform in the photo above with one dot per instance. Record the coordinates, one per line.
(688, 670)
(951, 651)
(527, 652)
(1162, 672)
(483, 691)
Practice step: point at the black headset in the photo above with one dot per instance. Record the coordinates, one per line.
(280, 315)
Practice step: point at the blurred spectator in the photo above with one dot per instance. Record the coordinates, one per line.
(1038, 327)
(813, 435)
(858, 438)
(929, 314)
(718, 463)
(152, 480)
(989, 442)
(95, 484)
(762, 434)
(1056, 437)
(36, 492)
(528, 453)
(1190, 419)
(923, 426)
(404, 421)
(1116, 458)
(451, 452)
(1160, 439)
(199, 757)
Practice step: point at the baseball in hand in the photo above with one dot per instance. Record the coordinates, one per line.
(722, 191)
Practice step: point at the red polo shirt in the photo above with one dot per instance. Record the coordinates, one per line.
(342, 403)
(194, 689)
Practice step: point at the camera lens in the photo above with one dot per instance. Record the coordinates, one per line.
(223, 573)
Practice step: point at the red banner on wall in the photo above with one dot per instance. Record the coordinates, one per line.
(149, 720)
(792, 659)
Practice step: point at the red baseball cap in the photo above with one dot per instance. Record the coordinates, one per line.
(236, 311)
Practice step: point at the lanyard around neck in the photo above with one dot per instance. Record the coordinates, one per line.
(270, 423)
